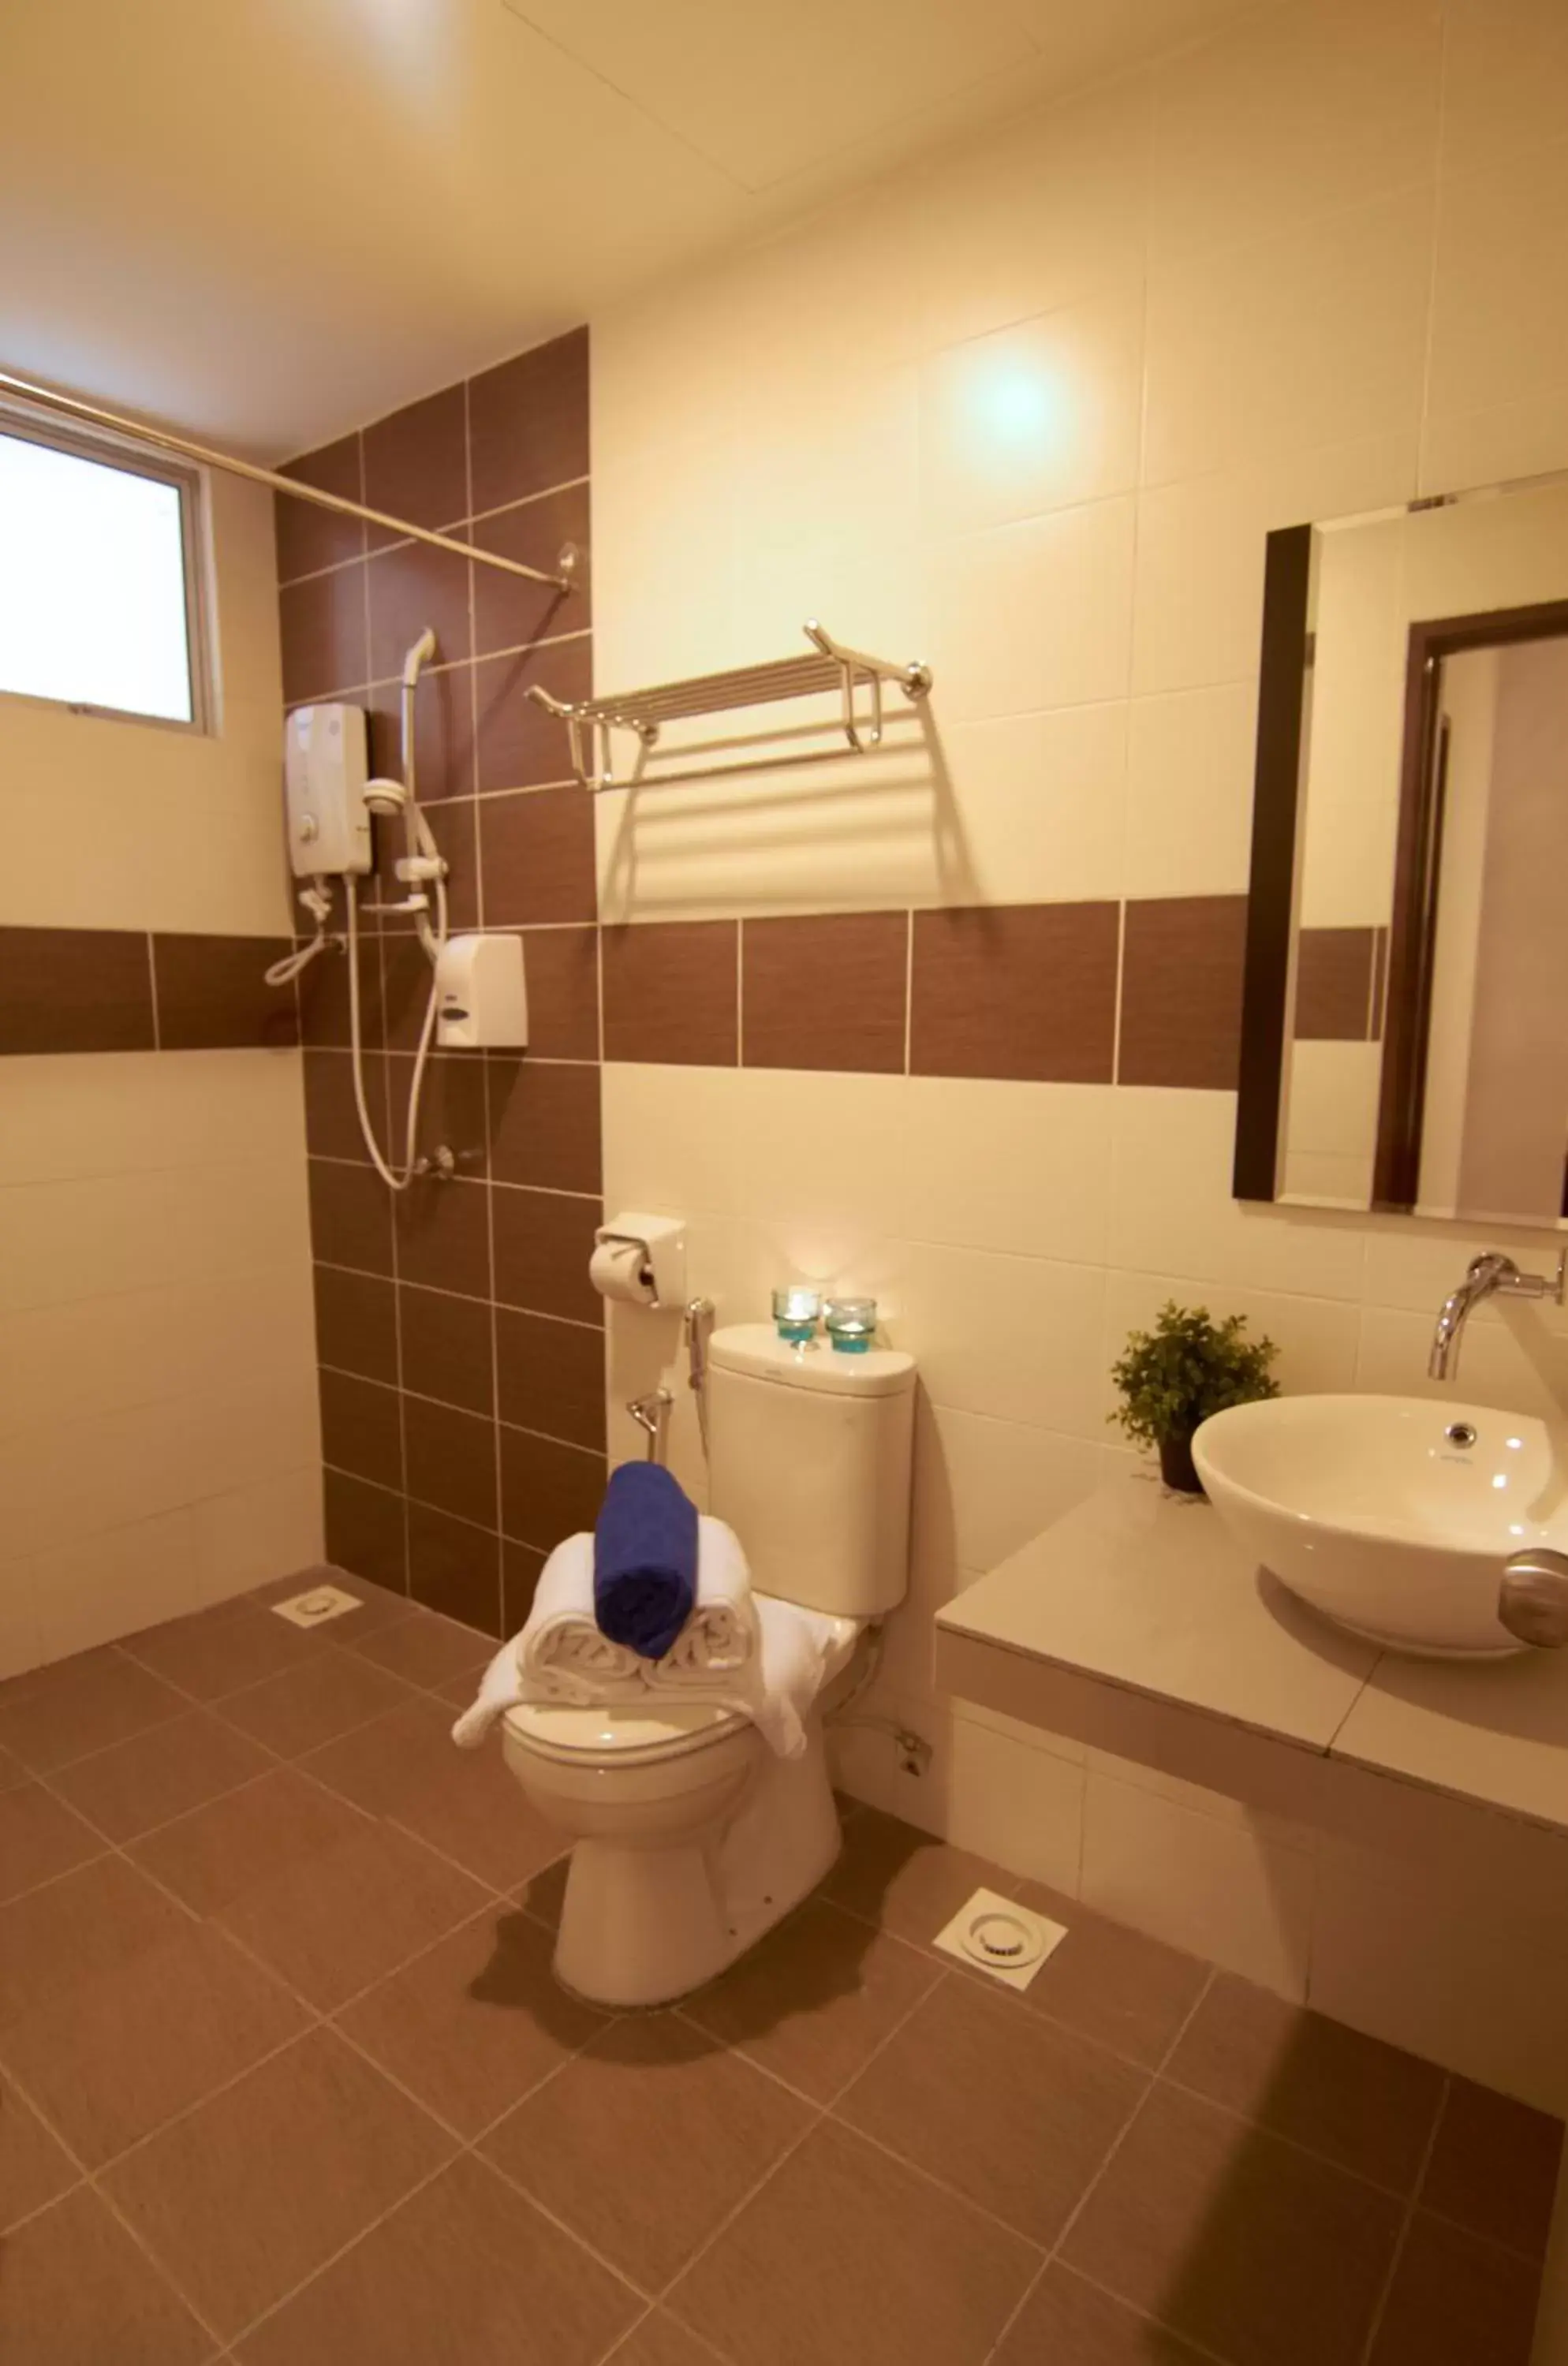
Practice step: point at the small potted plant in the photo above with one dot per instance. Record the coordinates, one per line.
(1177, 1374)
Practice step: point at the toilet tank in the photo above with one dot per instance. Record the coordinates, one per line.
(809, 1463)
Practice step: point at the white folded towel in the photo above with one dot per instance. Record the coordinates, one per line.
(762, 1659)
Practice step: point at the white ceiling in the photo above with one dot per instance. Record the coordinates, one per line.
(265, 220)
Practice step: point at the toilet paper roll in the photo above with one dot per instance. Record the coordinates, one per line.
(619, 1269)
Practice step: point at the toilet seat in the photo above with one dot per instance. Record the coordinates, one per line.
(620, 1733)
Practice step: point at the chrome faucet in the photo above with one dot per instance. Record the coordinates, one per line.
(1491, 1274)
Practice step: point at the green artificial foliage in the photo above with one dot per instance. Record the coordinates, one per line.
(1185, 1368)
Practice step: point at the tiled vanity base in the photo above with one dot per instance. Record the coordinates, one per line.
(1134, 1626)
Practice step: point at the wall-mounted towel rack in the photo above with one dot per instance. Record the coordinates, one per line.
(591, 722)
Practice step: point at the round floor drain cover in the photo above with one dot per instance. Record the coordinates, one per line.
(1000, 1938)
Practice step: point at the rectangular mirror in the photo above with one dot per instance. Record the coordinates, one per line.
(1404, 1045)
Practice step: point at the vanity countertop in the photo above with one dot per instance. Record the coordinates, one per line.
(1135, 1623)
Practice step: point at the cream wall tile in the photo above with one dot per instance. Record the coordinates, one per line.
(666, 604)
(1315, 337)
(253, 1534)
(821, 1169)
(1486, 448)
(982, 1489)
(81, 1239)
(672, 1138)
(1499, 332)
(1171, 1208)
(1031, 808)
(1294, 112)
(1020, 1806)
(92, 1589)
(1200, 1801)
(106, 1113)
(1034, 615)
(1033, 417)
(1516, 1364)
(1015, 1166)
(1317, 1339)
(1505, 80)
(1220, 1890)
(1190, 765)
(1015, 1337)
(1415, 1266)
(69, 1361)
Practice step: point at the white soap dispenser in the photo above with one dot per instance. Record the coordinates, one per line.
(481, 996)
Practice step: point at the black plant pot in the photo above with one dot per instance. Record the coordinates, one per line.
(1177, 1467)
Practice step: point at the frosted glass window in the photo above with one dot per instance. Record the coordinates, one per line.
(92, 607)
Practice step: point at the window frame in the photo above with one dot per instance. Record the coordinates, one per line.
(25, 424)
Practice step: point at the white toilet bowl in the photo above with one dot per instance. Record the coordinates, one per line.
(690, 1836)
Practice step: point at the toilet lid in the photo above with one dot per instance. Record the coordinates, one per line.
(626, 1732)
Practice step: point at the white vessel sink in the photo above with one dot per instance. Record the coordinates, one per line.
(1376, 1511)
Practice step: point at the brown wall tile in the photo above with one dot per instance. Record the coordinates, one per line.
(443, 1236)
(1181, 969)
(455, 1567)
(670, 992)
(323, 996)
(364, 1530)
(1334, 984)
(416, 463)
(360, 1428)
(325, 645)
(1380, 980)
(545, 1126)
(519, 744)
(542, 1245)
(332, 1116)
(351, 1216)
(310, 538)
(451, 1459)
(213, 995)
(561, 968)
(537, 857)
(1022, 990)
(413, 586)
(75, 990)
(509, 611)
(443, 738)
(520, 1567)
(528, 421)
(446, 1347)
(357, 1324)
(551, 1377)
(825, 992)
(548, 1491)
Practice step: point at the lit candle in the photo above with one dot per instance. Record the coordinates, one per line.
(796, 1312)
(851, 1324)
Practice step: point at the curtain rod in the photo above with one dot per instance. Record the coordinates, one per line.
(73, 407)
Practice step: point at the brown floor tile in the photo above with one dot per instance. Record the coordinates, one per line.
(1017, 2114)
(1493, 2168)
(815, 1998)
(661, 2340)
(215, 1854)
(345, 1915)
(465, 2270)
(378, 1605)
(1361, 2103)
(1238, 2241)
(902, 1878)
(1456, 2301)
(645, 2142)
(161, 1774)
(11, 1771)
(59, 1713)
(544, 1893)
(898, 2269)
(1131, 1992)
(324, 1695)
(244, 2197)
(1068, 2323)
(115, 2056)
(77, 2291)
(207, 1657)
(33, 2168)
(39, 1838)
(86, 1923)
(425, 1649)
(473, 2024)
(463, 1802)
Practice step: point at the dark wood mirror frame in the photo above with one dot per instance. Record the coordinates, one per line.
(1277, 785)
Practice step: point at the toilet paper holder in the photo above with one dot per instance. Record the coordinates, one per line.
(659, 1242)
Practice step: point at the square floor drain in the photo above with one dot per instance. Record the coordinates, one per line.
(313, 1609)
(1001, 1937)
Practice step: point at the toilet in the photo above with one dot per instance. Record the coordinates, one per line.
(690, 1837)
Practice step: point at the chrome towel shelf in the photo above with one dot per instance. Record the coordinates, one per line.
(591, 722)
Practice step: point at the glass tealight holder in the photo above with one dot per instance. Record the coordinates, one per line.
(851, 1324)
(795, 1313)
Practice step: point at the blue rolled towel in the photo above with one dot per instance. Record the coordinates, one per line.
(645, 1559)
